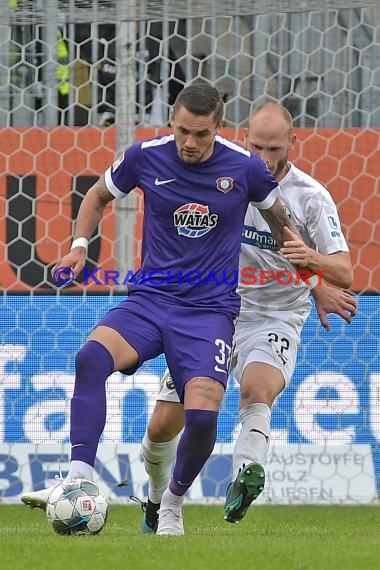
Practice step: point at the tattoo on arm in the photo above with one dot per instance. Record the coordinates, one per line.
(103, 195)
(277, 219)
(92, 208)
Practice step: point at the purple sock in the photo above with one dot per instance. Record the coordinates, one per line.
(194, 448)
(93, 364)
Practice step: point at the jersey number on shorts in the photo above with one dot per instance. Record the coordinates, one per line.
(282, 344)
(223, 358)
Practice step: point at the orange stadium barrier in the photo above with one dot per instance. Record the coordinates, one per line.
(46, 166)
(44, 173)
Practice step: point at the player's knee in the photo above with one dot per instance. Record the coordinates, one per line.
(84, 358)
(166, 422)
(250, 394)
(160, 432)
(93, 360)
(248, 397)
(260, 391)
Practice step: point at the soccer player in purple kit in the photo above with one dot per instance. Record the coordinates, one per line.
(197, 187)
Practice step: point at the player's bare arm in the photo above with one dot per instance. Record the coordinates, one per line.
(277, 219)
(89, 215)
(336, 267)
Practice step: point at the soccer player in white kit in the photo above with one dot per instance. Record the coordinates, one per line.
(274, 306)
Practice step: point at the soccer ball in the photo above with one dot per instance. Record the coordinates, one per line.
(77, 506)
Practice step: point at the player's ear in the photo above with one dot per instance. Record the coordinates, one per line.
(219, 126)
(171, 116)
(293, 140)
(246, 138)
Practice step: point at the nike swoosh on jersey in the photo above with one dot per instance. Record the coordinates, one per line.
(158, 182)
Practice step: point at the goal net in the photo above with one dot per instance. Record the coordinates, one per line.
(79, 81)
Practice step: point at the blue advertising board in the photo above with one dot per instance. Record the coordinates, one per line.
(333, 398)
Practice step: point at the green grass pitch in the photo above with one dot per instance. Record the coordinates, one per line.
(269, 538)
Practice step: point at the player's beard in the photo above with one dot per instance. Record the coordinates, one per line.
(280, 169)
(189, 158)
(195, 156)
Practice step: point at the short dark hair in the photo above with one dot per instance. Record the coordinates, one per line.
(200, 98)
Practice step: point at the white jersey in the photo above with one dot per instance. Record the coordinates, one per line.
(284, 296)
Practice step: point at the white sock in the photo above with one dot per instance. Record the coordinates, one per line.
(80, 470)
(158, 461)
(253, 441)
(170, 500)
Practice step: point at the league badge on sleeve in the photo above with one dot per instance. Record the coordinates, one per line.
(333, 223)
(335, 226)
(117, 162)
(224, 184)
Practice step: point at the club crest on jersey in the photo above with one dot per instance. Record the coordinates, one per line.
(224, 184)
(194, 220)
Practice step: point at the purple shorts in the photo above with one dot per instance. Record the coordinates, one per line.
(196, 341)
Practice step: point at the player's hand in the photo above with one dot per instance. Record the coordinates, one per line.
(295, 250)
(69, 266)
(336, 301)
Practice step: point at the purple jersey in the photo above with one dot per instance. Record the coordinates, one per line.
(193, 218)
